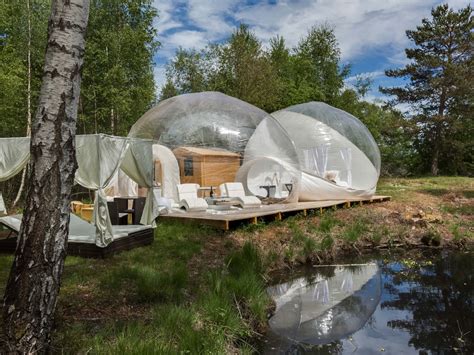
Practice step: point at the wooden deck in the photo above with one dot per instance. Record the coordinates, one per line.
(235, 218)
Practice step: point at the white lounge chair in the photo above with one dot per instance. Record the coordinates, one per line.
(236, 192)
(188, 198)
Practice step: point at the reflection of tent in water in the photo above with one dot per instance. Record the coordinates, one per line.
(324, 309)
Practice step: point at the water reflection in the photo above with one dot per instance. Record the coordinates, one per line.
(391, 306)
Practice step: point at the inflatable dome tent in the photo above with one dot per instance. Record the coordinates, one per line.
(208, 133)
(337, 156)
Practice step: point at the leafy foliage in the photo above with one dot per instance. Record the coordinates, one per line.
(117, 78)
(440, 90)
(279, 77)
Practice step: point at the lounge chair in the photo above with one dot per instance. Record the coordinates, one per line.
(235, 191)
(188, 198)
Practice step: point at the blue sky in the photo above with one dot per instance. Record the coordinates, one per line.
(371, 33)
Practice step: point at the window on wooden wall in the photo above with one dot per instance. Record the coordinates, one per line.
(188, 167)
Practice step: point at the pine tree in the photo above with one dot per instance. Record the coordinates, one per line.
(439, 91)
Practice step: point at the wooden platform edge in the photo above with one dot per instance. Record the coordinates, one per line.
(278, 214)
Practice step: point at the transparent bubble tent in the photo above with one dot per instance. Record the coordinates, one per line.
(306, 152)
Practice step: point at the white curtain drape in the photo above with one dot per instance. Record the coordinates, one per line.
(170, 171)
(138, 165)
(316, 159)
(346, 155)
(99, 157)
(121, 186)
(14, 155)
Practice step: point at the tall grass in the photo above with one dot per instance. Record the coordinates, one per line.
(219, 315)
(354, 231)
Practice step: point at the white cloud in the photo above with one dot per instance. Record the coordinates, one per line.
(159, 72)
(165, 20)
(371, 75)
(362, 27)
(211, 16)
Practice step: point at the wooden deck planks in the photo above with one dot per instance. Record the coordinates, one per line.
(268, 212)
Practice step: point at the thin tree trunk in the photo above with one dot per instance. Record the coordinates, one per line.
(28, 100)
(34, 281)
(438, 133)
(112, 121)
(435, 160)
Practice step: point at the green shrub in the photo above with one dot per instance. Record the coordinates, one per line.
(354, 231)
(327, 223)
(327, 242)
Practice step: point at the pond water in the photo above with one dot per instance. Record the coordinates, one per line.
(384, 304)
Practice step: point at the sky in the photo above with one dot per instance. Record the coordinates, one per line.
(371, 33)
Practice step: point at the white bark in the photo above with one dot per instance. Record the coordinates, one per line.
(33, 285)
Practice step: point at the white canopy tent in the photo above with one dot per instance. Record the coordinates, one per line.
(99, 158)
(121, 185)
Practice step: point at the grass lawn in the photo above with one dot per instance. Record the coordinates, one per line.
(199, 290)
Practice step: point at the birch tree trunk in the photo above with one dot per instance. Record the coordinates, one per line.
(34, 281)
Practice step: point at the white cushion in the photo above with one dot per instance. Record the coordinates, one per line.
(186, 191)
(193, 204)
(235, 190)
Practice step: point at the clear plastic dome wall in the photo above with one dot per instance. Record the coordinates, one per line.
(344, 123)
(337, 155)
(207, 120)
(271, 168)
(208, 133)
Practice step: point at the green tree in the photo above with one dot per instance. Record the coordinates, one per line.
(168, 90)
(187, 72)
(243, 69)
(440, 90)
(319, 57)
(33, 285)
(118, 85)
(22, 47)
